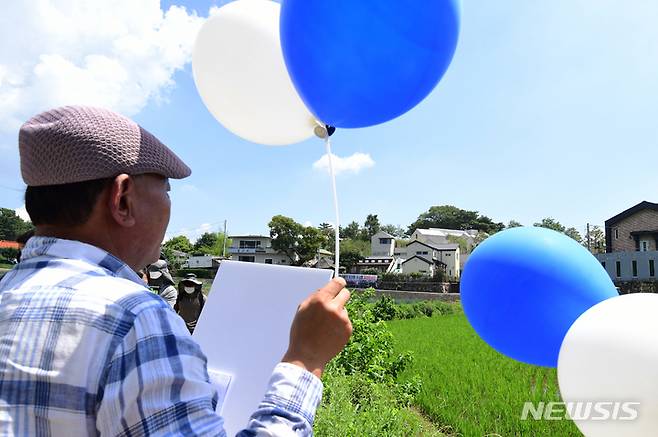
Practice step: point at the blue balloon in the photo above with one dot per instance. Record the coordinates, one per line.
(523, 288)
(361, 63)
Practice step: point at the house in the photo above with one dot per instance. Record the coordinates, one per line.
(322, 260)
(631, 240)
(437, 237)
(256, 249)
(202, 262)
(382, 264)
(635, 229)
(444, 256)
(382, 244)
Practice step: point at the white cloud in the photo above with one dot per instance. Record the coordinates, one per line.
(350, 164)
(119, 54)
(22, 213)
(193, 234)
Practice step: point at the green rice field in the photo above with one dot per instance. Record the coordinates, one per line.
(468, 388)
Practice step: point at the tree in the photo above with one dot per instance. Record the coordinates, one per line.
(395, 231)
(300, 243)
(451, 217)
(330, 235)
(207, 239)
(181, 243)
(551, 223)
(11, 225)
(596, 240)
(360, 246)
(513, 224)
(573, 233)
(370, 227)
(350, 231)
(349, 258)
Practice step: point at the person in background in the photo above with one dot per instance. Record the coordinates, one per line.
(161, 282)
(190, 301)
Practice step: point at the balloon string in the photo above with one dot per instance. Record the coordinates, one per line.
(327, 142)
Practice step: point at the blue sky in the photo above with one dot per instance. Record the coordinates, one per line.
(548, 109)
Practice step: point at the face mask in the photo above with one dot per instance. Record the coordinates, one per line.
(188, 290)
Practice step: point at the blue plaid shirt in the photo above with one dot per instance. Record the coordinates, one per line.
(86, 349)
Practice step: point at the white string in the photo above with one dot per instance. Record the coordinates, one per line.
(332, 175)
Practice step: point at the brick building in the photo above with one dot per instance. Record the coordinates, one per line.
(633, 230)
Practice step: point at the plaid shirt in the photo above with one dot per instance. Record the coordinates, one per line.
(86, 349)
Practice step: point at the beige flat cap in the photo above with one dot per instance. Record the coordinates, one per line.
(80, 143)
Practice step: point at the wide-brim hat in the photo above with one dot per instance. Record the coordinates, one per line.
(80, 143)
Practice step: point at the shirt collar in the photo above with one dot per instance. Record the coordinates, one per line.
(77, 250)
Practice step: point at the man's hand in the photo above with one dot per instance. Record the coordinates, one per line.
(321, 328)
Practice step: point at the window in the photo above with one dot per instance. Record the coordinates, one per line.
(385, 240)
(634, 268)
(447, 254)
(618, 269)
(249, 259)
(268, 260)
(616, 233)
(645, 246)
(424, 252)
(652, 269)
(283, 261)
(249, 244)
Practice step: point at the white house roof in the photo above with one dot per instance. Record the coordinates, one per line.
(439, 232)
(449, 246)
(383, 234)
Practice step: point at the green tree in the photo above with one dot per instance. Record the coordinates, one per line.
(181, 243)
(370, 227)
(349, 258)
(514, 224)
(596, 240)
(551, 223)
(451, 217)
(206, 240)
(351, 231)
(330, 235)
(360, 246)
(395, 231)
(573, 233)
(300, 243)
(11, 225)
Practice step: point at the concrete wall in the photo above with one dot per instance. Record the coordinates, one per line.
(645, 220)
(625, 260)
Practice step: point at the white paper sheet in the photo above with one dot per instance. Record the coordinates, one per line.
(245, 326)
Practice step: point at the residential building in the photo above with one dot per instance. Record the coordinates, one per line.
(631, 239)
(203, 262)
(437, 237)
(443, 256)
(256, 248)
(635, 229)
(382, 244)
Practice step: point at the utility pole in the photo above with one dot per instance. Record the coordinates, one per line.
(226, 236)
(588, 239)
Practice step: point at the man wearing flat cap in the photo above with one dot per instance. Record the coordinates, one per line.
(85, 348)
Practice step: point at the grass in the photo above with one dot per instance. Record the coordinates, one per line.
(468, 388)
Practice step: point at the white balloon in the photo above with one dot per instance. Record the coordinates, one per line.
(609, 360)
(242, 78)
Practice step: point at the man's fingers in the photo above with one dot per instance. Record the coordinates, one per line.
(333, 287)
(342, 297)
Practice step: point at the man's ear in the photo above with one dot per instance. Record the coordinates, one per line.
(122, 200)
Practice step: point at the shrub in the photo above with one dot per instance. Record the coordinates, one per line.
(384, 309)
